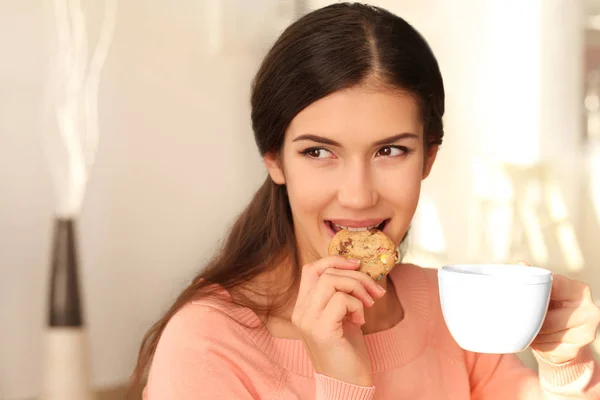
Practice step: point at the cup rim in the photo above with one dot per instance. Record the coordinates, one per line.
(467, 271)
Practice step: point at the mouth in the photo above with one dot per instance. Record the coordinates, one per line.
(356, 226)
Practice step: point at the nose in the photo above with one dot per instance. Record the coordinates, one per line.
(356, 189)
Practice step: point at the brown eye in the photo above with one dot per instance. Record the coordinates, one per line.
(317, 152)
(314, 153)
(391, 151)
(385, 152)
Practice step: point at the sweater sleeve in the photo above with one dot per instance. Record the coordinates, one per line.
(495, 377)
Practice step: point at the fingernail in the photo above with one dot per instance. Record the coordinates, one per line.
(354, 260)
(380, 289)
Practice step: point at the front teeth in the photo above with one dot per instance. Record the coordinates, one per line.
(355, 229)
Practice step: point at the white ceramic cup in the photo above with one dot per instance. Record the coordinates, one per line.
(494, 308)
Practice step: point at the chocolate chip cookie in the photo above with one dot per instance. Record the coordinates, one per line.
(376, 252)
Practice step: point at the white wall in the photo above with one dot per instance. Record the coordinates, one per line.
(24, 198)
(177, 158)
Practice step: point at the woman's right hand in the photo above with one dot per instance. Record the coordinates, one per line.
(329, 313)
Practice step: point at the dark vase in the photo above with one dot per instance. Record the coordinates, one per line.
(65, 299)
(67, 356)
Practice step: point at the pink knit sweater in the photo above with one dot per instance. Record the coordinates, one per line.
(205, 354)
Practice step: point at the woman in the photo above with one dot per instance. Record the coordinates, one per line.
(347, 113)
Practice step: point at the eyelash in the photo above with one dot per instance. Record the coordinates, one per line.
(403, 149)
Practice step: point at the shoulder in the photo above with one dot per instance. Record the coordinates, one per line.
(415, 275)
(205, 352)
(422, 284)
(425, 280)
(211, 332)
(205, 322)
(418, 290)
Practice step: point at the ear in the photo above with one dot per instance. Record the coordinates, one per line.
(273, 164)
(430, 159)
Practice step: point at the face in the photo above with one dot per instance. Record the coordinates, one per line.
(354, 159)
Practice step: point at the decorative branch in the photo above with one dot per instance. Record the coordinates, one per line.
(75, 82)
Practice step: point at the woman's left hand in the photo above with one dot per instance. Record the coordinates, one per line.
(570, 324)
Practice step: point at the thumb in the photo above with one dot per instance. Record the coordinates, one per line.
(525, 263)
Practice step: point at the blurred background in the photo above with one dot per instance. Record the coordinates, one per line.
(518, 176)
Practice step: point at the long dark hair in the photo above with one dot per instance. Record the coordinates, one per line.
(330, 49)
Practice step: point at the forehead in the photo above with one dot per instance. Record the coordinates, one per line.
(359, 113)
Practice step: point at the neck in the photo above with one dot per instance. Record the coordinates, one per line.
(386, 312)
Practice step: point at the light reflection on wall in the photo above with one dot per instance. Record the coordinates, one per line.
(595, 181)
(516, 211)
(490, 215)
(428, 233)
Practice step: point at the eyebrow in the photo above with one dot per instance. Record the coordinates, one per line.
(388, 140)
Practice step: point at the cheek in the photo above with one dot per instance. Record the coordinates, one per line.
(309, 192)
(404, 195)
(402, 198)
(401, 187)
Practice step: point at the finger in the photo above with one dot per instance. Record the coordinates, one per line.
(565, 289)
(374, 289)
(525, 263)
(581, 335)
(564, 318)
(329, 284)
(312, 272)
(340, 306)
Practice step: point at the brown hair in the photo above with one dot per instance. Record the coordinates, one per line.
(330, 49)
